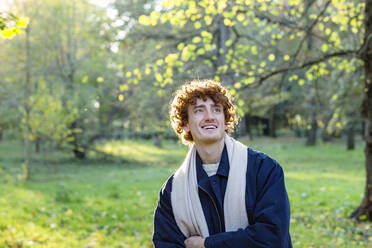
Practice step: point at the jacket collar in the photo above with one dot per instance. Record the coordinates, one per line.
(223, 168)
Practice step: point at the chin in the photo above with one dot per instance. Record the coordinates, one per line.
(212, 139)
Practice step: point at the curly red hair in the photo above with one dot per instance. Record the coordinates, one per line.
(187, 95)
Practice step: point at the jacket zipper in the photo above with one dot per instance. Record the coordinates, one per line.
(215, 206)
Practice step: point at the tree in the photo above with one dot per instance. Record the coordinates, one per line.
(250, 43)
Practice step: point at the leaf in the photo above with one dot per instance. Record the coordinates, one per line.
(84, 79)
(271, 57)
(254, 50)
(158, 77)
(144, 20)
(301, 82)
(196, 39)
(197, 25)
(240, 17)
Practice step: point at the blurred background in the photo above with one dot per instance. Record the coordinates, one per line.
(85, 86)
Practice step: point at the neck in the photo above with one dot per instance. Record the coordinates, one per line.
(210, 153)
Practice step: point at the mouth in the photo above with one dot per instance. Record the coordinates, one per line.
(209, 127)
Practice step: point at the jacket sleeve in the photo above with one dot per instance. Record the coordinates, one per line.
(166, 232)
(269, 215)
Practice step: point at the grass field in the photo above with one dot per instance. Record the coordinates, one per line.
(110, 202)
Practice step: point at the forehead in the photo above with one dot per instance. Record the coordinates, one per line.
(208, 101)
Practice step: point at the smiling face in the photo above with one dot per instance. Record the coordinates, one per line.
(206, 122)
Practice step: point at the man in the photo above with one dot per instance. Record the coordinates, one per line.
(224, 194)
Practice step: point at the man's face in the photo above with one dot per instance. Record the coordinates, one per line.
(206, 121)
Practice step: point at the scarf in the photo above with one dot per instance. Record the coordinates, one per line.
(186, 205)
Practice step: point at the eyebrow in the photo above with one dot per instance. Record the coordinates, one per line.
(203, 105)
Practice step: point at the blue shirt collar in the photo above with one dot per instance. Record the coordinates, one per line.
(223, 168)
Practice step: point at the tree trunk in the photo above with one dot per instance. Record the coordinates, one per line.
(326, 137)
(27, 146)
(312, 133)
(272, 123)
(248, 126)
(78, 150)
(350, 144)
(157, 141)
(224, 35)
(37, 145)
(240, 130)
(364, 211)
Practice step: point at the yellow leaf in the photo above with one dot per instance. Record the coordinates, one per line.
(254, 50)
(324, 47)
(159, 62)
(196, 39)
(98, 237)
(9, 33)
(286, 57)
(250, 80)
(301, 82)
(147, 71)
(121, 97)
(197, 25)
(180, 46)
(100, 79)
(84, 79)
(271, 57)
(22, 22)
(237, 85)
(123, 87)
(240, 17)
(144, 20)
(208, 20)
(128, 74)
(158, 77)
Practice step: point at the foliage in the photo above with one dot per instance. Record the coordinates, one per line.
(11, 25)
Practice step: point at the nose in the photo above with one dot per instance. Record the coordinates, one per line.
(209, 115)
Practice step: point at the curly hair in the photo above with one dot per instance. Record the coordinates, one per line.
(188, 94)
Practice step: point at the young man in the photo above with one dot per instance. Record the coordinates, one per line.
(224, 195)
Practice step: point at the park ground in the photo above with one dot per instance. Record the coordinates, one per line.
(108, 201)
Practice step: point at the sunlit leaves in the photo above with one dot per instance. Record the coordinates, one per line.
(11, 25)
(271, 57)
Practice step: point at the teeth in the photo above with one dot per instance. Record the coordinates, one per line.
(210, 127)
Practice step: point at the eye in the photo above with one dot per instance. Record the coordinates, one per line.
(198, 110)
(217, 110)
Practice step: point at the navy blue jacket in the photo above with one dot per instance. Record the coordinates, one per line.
(266, 202)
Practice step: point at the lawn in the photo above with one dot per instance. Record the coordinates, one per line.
(109, 202)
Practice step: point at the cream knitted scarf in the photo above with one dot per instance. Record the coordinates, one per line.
(186, 205)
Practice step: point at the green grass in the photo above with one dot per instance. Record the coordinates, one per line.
(110, 202)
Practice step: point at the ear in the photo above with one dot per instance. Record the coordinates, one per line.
(186, 128)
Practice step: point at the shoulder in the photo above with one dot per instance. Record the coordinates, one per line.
(262, 166)
(166, 189)
(261, 160)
